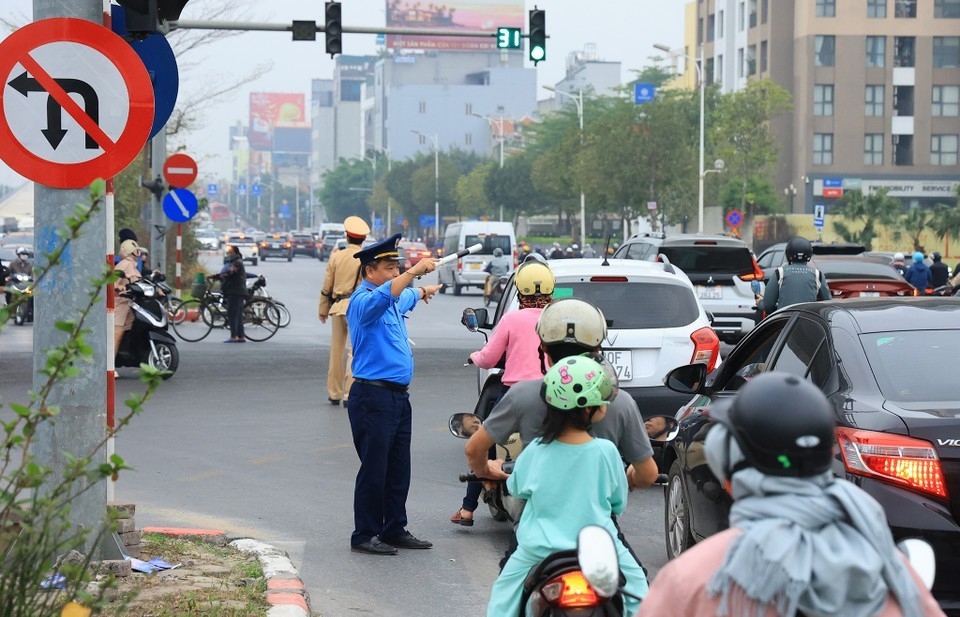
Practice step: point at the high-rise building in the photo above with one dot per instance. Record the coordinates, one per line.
(875, 86)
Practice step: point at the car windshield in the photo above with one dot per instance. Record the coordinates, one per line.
(489, 243)
(240, 240)
(636, 306)
(904, 361)
(303, 238)
(709, 259)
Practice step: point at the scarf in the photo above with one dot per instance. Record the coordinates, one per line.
(818, 544)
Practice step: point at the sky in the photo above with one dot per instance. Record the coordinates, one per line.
(621, 30)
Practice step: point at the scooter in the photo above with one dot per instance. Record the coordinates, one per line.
(148, 341)
(496, 294)
(20, 288)
(503, 506)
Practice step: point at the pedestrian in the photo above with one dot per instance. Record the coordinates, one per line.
(918, 274)
(128, 273)
(379, 403)
(233, 286)
(339, 281)
(569, 480)
(514, 340)
(796, 282)
(898, 264)
(801, 540)
(939, 273)
(588, 252)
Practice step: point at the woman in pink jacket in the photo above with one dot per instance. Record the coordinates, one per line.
(801, 541)
(514, 339)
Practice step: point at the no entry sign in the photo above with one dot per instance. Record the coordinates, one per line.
(46, 135)
(180, 170)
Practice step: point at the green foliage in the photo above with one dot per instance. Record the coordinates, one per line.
(471, 196)
(512, 187)
(336, 195)
(36, 538)
(759, 197)
(873, 210)
(656, 75)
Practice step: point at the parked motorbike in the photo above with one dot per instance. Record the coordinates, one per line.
(148, 341)
(20, 288)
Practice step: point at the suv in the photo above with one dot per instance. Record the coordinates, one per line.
(775, 256)
(276, 245)
(653, 320)
(247, 245)
(304, 244)
(721, 267)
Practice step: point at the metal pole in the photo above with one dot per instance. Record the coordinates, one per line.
(436, 187)
(583, 204)
(700, 169)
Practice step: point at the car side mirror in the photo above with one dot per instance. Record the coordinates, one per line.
(687, 379)
(661, 429)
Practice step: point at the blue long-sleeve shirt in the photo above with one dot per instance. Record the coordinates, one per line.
(378, 332)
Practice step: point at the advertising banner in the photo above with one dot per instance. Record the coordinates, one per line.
(483, 15)
(272, 109)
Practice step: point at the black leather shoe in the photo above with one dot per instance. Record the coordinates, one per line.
(334, 401)
(407, 540)
(374, 546)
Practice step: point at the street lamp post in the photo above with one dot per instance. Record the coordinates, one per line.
(436, 182)
(578, 99)
(702, 83)
(499, 125)
(791, 193)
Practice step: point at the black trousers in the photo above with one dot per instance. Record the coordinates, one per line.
(235, 315)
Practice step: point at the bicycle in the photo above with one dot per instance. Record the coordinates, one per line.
(258, 288)
(261, 317)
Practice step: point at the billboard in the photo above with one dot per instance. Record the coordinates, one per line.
(483, 15)
(272, 109)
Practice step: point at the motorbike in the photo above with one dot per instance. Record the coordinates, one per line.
(496, 294)
(943, 290)
(20, 288)
(148, 341)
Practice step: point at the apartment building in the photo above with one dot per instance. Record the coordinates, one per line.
(875, 86)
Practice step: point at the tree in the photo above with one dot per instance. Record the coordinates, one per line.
(346, 188)
(471, 195)
(761, 198)
(945, 220)
(651, 74)
(511, 187)
(873, 210)
(427, 190)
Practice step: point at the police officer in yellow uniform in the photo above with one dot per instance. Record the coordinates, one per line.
(342, 277)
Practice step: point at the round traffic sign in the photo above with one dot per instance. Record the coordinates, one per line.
(180, 205)
(46, 135)
(734, 218)
(180, 170)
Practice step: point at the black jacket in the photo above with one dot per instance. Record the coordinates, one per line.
(233, 276)
(938, 274)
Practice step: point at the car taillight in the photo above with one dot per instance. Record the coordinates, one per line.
(706, 347)
(756, 275)
(910, 462)
(570, 590)
(287, 244)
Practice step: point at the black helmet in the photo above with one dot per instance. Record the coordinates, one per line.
(799, 249)
(936, 256)
(783, 424)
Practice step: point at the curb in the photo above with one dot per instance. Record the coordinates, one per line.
(286, 593)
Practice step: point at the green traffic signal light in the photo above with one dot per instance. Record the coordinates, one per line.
(333, 29)
(537, 50)
(508, 38)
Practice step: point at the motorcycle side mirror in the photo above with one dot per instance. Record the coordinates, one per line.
(597, 557)
(464, 425)
(661, 429)
(687, 379)
(921, 557)
(469, 319)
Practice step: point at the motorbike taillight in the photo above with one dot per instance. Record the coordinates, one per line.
(570, 590)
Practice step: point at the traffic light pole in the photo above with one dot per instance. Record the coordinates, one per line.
(193, 24)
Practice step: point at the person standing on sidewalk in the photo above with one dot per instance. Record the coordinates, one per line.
(341, 279)
(379, 404)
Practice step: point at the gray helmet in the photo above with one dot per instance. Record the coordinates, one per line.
(571, 320)
(22, 251)
(498, 252)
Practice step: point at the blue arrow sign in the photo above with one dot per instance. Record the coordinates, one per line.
(211, 189)
(643, 93)
(180, 205)
(255, 190)
(241, 189)
(427, 220)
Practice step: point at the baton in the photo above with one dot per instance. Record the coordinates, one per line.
(476, 248)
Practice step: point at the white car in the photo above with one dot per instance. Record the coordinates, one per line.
(247, 245)
(654, 322)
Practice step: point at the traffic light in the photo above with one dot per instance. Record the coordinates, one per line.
(537, 33)
(143, 17)
(333, 29)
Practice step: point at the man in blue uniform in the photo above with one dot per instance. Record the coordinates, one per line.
(379, 404)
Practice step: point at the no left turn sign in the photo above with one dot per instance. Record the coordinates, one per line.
(76, 102)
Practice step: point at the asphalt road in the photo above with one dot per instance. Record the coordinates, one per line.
(242, 438)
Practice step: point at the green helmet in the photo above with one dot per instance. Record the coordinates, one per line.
(576, 382)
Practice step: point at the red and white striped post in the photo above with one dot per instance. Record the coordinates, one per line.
(111, 306)
(179, 254)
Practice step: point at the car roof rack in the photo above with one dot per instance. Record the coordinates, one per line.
(667, 266)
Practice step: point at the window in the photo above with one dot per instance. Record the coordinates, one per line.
(903, 100)
(719, 71)
(752, 60)
(946, 8)
(903, 150)
(946, 52)
(753, 13)
(740, 62)
(873, 149)
(903, 51)
(824, 50)
(805, 353)
(873, 101)
(700, 29)
(764, 9)
(469, 109)
(763, 56)
(423, 107)
(423, 139)
(823, 99)
(711, 27)
(826, 8)
(876, 50)
(946, 101)
(905, 8)
(741, 16)
(876, 8)
(720, 24)
(708, 73)
(943, 149)
(468, 139)
(823, 148)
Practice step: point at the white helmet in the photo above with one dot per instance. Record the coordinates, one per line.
(572, 320)
(898, 256)
(22, 251)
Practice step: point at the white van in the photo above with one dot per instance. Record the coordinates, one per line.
(337, 230)
(468, 271)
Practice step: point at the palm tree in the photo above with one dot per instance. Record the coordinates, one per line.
(874, 210)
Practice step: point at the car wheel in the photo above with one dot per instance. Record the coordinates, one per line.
(457, 289)
(289, 258)
(264, 258)
(676, 514)
(254, 261)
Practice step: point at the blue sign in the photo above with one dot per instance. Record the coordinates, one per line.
(241, 189)
(833, 183)
(427, 220)
(255, 189)
(284, 210)
(818, 223)
(180, 205)
(157, 56)
(818, 213)
(734, 218)
(211, 189)
(643, 93)
(378, 224)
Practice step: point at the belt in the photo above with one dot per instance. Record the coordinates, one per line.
(380, 383)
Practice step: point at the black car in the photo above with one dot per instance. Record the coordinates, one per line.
(304, 244)
(276, 245)
(325, 247)
(886, 364)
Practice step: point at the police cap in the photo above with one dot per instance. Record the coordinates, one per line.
(385, 249)
(356, 227)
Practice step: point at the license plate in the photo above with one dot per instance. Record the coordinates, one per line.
(276, 246)
(710, 293)
(622, 362)
(475, 266)
(869, 294)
